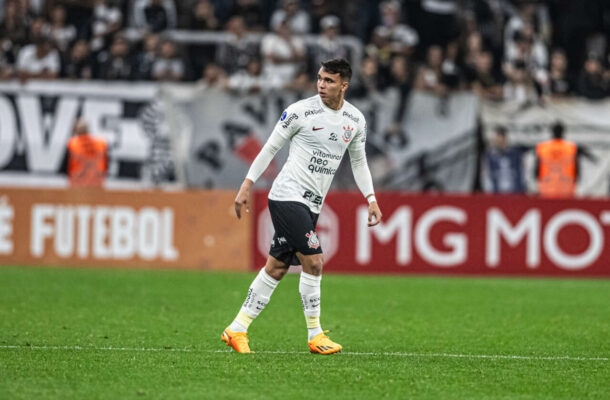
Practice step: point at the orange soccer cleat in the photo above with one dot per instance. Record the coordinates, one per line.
(237, 340)
(322, 344)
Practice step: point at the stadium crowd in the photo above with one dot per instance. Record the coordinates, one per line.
(500, 49)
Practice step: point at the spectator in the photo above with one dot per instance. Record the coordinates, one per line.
(529, 14)
(328, 45)
(202, 19)
(154, 15)
(429, 75)
(146, 57)
(472, 48)
(251, 11)
(485, 82)
(213, 77)
(106, 21)
(14, 26)
(7, 59)
(528, 50)
(80, 14)
(592, 83)
(403, 38)
(557, 167)
(319, 9)
(519, 87)
(248, 81)
(284, 55)
(560, 82)
(62, 34)
(38, 61)
(116, 63)
(401, 78)
(489, 16)
(235, 53)
(37, 29)
(78, 64)
(297, 19)
(168, 66)
(452, 74)
(503, 166)
(380, 48)
(368, 81)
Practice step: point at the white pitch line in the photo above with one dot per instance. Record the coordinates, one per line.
(346, 353)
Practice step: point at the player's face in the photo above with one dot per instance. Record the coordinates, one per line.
(331, 88)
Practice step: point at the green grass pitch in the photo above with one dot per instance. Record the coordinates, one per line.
(126, 334)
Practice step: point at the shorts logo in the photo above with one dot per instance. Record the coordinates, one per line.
(347, 133)
(312, 241)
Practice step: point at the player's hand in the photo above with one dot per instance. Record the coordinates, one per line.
(374, 214)
(243, 198)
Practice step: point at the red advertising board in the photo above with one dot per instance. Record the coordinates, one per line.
(480, 234)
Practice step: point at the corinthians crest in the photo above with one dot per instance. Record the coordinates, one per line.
(348, 131)
(312, 241)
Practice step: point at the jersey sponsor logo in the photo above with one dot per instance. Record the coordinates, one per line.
(350, 116)
(283, 117)
(314, 198)
(320, 166)
(317, 129)
(313, 112)
(322, 154)
(348, 131)
(318, 163)
(312, 240)
(289, 120)
(332, 137)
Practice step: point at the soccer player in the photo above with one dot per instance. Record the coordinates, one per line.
(320, 129)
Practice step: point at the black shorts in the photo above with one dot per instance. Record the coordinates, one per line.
(295, 231)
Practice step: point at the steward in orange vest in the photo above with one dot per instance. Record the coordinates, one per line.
(557, 166)
(87, 157)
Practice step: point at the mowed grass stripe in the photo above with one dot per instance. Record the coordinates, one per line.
(155, 334)
(344, 353)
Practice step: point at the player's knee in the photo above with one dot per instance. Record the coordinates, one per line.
(313, 264)
(275, 268)
(276, 273)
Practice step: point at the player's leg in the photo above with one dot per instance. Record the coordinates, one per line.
(311, 298)
(259, 294)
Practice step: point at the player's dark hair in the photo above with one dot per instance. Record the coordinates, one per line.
(338, 66)
(558, 128)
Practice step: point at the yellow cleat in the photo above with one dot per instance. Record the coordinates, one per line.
(237, 340)
(322, 344)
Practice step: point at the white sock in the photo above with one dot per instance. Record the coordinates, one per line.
(309, 287)
(259, 293)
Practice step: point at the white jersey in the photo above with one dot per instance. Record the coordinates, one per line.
(319, 137)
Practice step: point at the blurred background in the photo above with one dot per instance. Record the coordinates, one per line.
(172, 100)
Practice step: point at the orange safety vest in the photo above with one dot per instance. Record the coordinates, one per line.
(87, 160)
(557, 168)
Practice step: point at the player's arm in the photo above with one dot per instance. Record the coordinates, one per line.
(362, 176)
(275, 142)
